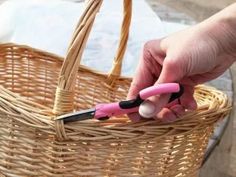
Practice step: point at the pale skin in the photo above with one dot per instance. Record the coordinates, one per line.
(190, 57)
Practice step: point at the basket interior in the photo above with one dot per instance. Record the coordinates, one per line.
(34, 75)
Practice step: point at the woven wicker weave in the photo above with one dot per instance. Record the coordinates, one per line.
(33, 143)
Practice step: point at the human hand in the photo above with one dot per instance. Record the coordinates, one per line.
(190, 57)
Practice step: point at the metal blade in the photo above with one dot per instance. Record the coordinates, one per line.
(78, 116)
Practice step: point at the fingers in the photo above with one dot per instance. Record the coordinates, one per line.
(187, 100)
(178, 110)
(171, 114)
(148, 68)
(147, 72)
(158, 107)
(166, 115)
(134, 117)
(173, 111)
(154, 68)
(153, 105)
(171, 71)
(147, 109)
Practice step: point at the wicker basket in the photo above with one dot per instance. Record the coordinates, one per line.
(33, 143)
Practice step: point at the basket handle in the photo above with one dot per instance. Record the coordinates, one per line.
(65, 90)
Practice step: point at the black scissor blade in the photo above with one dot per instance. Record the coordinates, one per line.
(78, 116)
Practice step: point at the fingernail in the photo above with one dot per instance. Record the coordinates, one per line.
(147, 109)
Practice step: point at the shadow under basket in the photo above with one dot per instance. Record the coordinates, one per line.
(36, 86)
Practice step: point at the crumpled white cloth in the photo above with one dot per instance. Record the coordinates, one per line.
(48, 25)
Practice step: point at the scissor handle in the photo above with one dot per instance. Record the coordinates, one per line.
(104, 111)
(175, 89)
(159, 89)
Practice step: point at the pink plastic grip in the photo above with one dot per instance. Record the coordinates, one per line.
(111, 109)
(159, 89)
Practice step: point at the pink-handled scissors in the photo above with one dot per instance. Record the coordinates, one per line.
(107, 110)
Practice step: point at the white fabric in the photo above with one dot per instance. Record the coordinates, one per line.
(48, 25)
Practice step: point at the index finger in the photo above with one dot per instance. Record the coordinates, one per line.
(148, 69)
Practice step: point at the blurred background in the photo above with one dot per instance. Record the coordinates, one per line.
(197, 10)
(23, 21)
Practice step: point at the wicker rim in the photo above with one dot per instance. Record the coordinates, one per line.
(211, 103)
(67, 77)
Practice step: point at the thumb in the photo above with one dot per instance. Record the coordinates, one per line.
(153, 105)
(150, 107)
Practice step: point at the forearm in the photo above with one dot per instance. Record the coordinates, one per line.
(222, 29)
